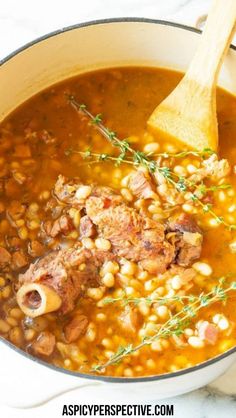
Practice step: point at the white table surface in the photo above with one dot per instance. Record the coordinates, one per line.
(21, 22)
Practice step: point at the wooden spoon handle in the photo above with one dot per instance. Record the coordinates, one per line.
(214, 43)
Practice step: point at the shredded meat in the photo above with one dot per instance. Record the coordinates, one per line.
(68, 272)
(87, 228)
(75, 328)
(62, 225)
(140, 185)
(132, 234)
(212, 167)
(45, 344)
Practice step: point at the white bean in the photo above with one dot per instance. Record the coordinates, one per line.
(152, 147)
(176, 282)
(195, 342)
(83, 192)
(103, 244)
(202, 268)
(108, 280)
(162, 311)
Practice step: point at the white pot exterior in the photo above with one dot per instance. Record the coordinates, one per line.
(27, 383)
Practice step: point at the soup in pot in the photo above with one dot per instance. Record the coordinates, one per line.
(117, 248)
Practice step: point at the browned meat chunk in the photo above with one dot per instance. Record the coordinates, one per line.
(75, 328)
(183, 223)
(87, 228)
(132, 236)
(140, 185)
(35, 248)
(5, 257)
(62, 225)
(68, 272)
(187, 238)
(45, 344)
(190, 248)
(65, 190)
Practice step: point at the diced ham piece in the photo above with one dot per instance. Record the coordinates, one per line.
(207, 332)
(45, 344)
(140, 185)
(75, 328)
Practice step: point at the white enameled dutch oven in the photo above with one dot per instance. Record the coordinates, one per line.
(24, 380)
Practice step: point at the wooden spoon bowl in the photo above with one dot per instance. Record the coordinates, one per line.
(189, 113)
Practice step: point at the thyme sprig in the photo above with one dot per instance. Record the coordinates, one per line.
(96, 157)
(180, 183)
(162, 300)
(176, 324)
(123, 145)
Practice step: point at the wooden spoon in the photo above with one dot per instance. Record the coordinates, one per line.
(189, 112)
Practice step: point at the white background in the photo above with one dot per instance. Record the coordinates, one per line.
(23, 20)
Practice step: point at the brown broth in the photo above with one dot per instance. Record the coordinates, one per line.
(125, 97)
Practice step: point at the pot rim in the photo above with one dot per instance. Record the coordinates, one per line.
(112, 379)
